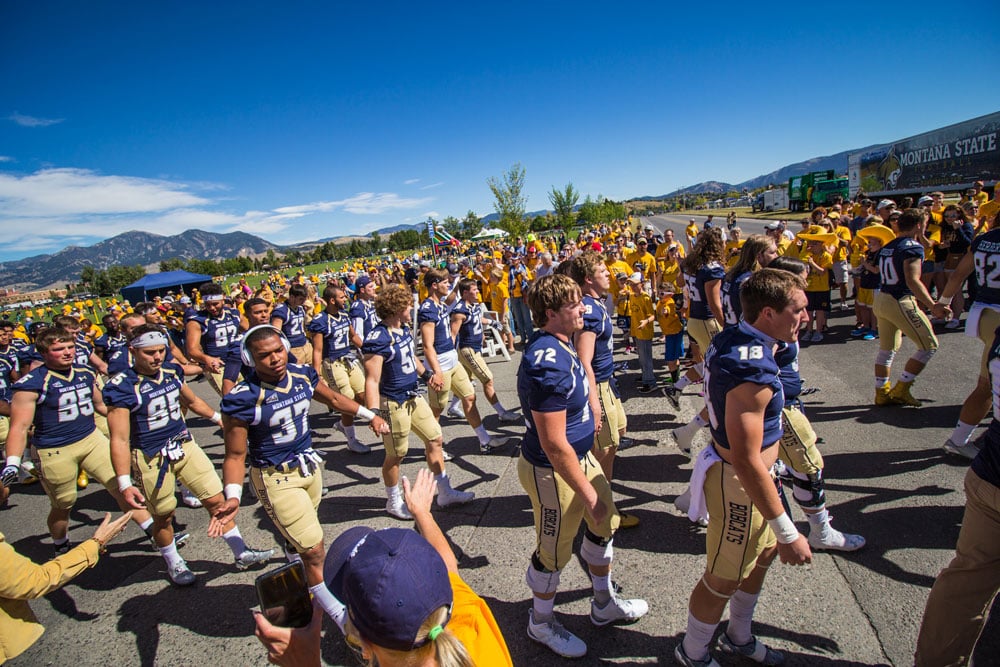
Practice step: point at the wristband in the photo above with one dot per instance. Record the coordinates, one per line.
(124, 481)
(945, 300)
(784, 528)
(427, 375)
(216, 418)
(14, 461)
(364, 413)
(234, 491)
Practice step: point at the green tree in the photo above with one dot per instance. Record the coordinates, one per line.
(453, 226)
(563, 201)
(376, 243)
(471, 224)
(511, 202)
(172, 264)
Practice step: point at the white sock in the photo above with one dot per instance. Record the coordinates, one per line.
(484, 437)
(881, 382)
(349, 432)
(443, 483)
(60, 541)
(499, 408)
(170, 554)
(602, 589)
(697, 638)
(331, 605)
(235, 541)
(393, 494)
(682, 382)
(741, 607)
(292, 556)
(454, 402)
(543, 608)
(819, 519)
(962, 433)
(907, 377)
(700, 421)
(146, 524)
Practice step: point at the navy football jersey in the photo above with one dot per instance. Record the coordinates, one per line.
(399, 370)
(696, 288)
(154, 403)
(83, 350)
(10, 355)
(737, 355)
(277, 416)
(293, 322)
(732, 307)
(440, 315)
(787, 357)
(217, 332)
(597, 321)
(891, 260)
(986, 258)
(550, 379)
(64, 413)
(336, 330)
(470, 333)
(5, 370)
(27, 355)
(363, 317)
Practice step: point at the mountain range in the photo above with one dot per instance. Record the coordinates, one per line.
(150, 249)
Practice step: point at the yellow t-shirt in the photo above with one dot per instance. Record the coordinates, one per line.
(516, 289)
(648, 261)
(981, 198)
(670, 272)
(843, 251)
(667, 317)
(818, 281)
(473, 624)
(640, 307)
(691, 232)
(499, 292)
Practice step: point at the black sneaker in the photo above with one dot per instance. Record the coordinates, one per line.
(672, 394)
(646, 388)
(63, 548)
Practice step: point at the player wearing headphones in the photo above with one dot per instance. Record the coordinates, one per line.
(209, 332)
(266, 417)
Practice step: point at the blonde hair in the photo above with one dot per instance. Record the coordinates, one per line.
(393, 300)
(446, 649)
(550, 292)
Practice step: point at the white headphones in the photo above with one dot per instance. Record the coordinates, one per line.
(246, 356)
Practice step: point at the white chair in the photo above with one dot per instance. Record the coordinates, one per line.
(492, 340)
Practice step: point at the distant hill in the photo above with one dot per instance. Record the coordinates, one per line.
(129, 249)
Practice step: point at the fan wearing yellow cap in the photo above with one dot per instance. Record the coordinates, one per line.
(819, 261)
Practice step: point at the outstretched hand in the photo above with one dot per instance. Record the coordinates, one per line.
(420, 494)
(291, 646)
(222, 516)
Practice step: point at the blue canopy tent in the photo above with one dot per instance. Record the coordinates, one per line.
(158, 284)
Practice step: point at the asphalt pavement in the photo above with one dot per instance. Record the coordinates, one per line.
(887, 478)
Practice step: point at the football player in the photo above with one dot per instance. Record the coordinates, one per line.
(209, 332)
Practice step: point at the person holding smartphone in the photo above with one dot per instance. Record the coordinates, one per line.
(266, 417)
(429, 616)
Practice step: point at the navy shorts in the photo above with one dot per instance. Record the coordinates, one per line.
(819, 301)
(673, 346)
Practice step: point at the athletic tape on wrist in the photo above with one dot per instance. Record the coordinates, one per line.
(124, 481)
(945, 300)
(784, 528)
(364, 413)
(234, 491)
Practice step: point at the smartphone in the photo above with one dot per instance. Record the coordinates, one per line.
(284, 596)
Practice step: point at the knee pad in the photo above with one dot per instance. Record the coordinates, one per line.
(597, 551)
(539, 579)
(808, 490)
(923, 356)
(884, 357)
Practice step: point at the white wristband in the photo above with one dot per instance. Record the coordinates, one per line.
(14, 461)
(216, 418)
(945, 300)
(234, 491)
(124, 481)
(364, 413)
(784, 528)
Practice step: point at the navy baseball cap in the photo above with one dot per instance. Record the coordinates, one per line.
(362, 281)
(390, 580)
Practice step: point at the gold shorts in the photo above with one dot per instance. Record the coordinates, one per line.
(291, 500)
(4, 430)
(215, 379)
(896, 317)
(344, 375)
(59, 467)
(558, 510)
(989, 320)
(703, 331)
(411, 415)
(614, 420)
(865, 297)
(797, 446)
(455, 379)
(737, 531)
(303, 354)
(195, 471)
(475, 365)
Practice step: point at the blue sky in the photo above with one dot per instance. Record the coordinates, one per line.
(308, 120)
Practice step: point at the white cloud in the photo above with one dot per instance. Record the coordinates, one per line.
(33, 121)
(363, 203)
(411, 181)
(6, 158)
(81, 192)
(432, 186)
(431, 214)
